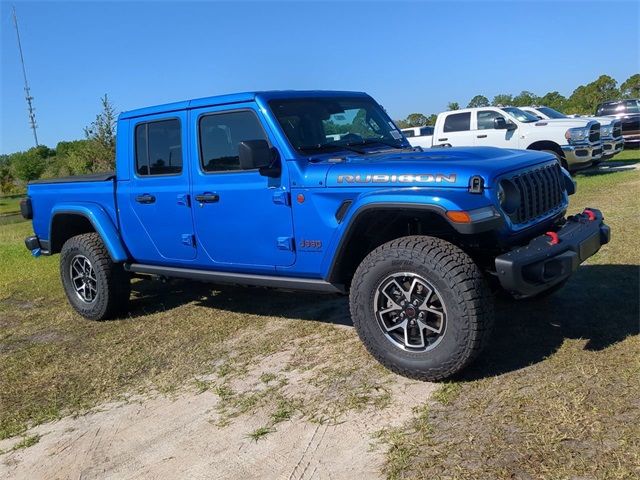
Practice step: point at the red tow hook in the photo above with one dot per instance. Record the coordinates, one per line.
(589, 214)
(554, 238)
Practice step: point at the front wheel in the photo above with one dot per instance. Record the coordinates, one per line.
(421, 307)
(97, 288)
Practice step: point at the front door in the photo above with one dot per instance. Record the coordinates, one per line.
(242, 219)
(487, 135)
(155, 211)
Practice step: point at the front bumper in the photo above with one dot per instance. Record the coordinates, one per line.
(581, 155)
(631, 138)
(612, 146)
(551, 258)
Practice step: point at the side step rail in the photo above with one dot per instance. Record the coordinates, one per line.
(272, 281)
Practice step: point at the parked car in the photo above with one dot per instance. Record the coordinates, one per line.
(247, 189)
(423, 136)
(575, 143)
(628, 112)
(610, 128)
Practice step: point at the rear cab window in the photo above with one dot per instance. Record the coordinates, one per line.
(158, 146)
(457, 122)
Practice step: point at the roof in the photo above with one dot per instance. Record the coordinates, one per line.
(233, 98)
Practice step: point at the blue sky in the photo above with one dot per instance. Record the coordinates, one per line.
(413, 56)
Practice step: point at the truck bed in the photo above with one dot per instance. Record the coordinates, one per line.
(52, 196)
(89, 177)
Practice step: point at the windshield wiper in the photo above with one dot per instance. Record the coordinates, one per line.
(374, 141)
(331, 147)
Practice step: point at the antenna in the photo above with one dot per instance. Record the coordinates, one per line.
(27, 91)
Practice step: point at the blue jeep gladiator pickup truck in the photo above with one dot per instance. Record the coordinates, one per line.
(318, 191)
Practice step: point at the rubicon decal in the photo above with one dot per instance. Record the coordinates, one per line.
(404, 178)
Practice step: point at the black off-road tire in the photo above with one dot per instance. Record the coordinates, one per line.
(464, 294)
(113, 283)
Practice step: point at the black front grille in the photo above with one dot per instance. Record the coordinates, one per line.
(594, 132)
(541, 191)
(617, 130)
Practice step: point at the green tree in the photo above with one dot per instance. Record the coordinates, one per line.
(101, 135)
(630, 88)
(453, 106)
(585, 98)
(478, 101)
(7, 180)
(525, 98)
(29, 165)
(554, 100)
(431, 119)
(416, 120)
(502, 99)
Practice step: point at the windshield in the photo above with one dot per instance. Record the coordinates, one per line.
(551, 113)
(521, 115)
(335, 123)
(609, 109)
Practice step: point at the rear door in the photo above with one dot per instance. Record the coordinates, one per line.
(487, 136)
(456, 131)
(155, 211)
(242, 219)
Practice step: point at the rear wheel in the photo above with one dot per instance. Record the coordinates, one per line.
(97, 288)
(421, 307)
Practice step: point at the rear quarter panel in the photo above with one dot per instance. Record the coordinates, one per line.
(45, 197)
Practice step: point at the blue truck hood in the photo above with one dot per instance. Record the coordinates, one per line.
(440, 167)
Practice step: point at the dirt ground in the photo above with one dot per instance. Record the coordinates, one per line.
(178, 437)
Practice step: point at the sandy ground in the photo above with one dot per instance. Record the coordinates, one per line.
(178, 438)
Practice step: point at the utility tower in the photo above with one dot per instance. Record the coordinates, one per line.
(27, 91)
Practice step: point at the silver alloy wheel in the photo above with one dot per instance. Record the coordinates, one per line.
(410, 312)
(83, 279)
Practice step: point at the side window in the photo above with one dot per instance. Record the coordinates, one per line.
(424, 131)
(220, 135)
(159, 148)
(457, 122)
(632, 106)
(485, 119)
(409, 133)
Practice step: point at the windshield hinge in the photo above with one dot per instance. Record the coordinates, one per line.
(282, 198)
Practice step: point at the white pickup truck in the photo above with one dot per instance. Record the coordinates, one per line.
(421, 136)
(575, 142)
(610, 127)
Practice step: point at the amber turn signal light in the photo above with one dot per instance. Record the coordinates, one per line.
(459, 216)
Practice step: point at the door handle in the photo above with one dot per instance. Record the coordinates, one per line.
(443, 139)
(482, 136)
(207, 198)
(146, 198)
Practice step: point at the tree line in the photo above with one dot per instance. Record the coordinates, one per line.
(96, 152)
(583, 100)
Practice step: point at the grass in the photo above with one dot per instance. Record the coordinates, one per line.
(54, 363)
(556, 395)
(10, 204)
(26, 442)
(260, 433)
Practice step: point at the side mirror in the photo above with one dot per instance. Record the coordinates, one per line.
(499, 123)
(257, 154)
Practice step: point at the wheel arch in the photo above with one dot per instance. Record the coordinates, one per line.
(547, 145)
(68, 221)
(375, 224)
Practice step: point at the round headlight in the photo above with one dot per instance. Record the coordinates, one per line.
(508, 196)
